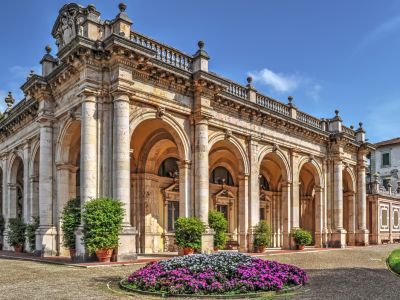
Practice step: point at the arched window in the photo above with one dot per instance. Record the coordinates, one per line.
(168, 168)
(264, 185)
(221, 175)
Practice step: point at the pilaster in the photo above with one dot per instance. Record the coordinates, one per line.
(362, 233)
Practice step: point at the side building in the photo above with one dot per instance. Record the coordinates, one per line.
(116, 113)
(384, 192)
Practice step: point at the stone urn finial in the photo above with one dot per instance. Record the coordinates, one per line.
(337, 112)
(122, 7)
(47, 49)
(201, 45)
(9, 100)
(249, 79)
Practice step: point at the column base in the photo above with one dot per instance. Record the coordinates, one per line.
(318, 239)
(127, 244)
(351, 238)
(362, 237)
(338, 238)
(243, 243)
(207, 241)
(46, 244)
(250, 240)
(286, 240)
(6, 245)
(81, 253)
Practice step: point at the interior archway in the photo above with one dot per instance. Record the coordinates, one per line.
(157, 152)
(349, 207)
(309, 197)
(16, 181)
(226, 167)
(272, 175)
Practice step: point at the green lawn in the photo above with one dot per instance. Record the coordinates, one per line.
(394, 261)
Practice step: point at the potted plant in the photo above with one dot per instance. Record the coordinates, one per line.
(262, 236)
(16, 234)
(2, 227)
(188, 232)
(302, 238)
(219, 224)
(71, 219)
(31, 232)
(102, 219)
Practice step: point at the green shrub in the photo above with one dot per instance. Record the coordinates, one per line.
(102, 219)
(16, 232)
(219, 224)
(302, 237)
(394, 261)
(2, 224)
(31, 232)
(188, 232)
(71, 219)
(262, 234)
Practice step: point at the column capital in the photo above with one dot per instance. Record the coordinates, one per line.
(65, 166)
(45, 119)
(88, 95)
(185, 163)
(202, 117)
(119, 95)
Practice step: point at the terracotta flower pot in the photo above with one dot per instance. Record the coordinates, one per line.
(300, 247)
(261, 249)
(188, 250)
(216, 249)
(72, 253)
(104, 255)
(18, 248)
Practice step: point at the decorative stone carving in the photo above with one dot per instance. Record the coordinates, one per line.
(160, 112)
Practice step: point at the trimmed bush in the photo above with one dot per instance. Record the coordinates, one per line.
(16, 232)
(102, 219)
(262, 234)
(188, 232)
(394, 261)
(302, 237)
(71, 219)
(219, 224)
(31, 232)
(221, 273)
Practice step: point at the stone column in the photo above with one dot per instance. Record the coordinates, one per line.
(339, 234)
(202, 180)
(362, 233)
(243, 212)
(88, 161)
(63, 184)
(26, 213)
(6, 201)
(46, 234)
(121, 172)
(350, 198)
(254, 190)
(185, 204)
(295, 195)
(319, 216)
(286, 214)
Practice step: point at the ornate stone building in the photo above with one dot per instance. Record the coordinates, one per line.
(116, 113)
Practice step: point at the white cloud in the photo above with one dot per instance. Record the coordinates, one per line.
(383, 30)
(279, 82)
(286, 83)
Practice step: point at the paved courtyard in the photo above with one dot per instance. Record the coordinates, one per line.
(357, 273)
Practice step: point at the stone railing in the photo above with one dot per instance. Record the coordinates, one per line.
(237, 90)
(348, 130)
(164, 53)
(272, 104)
(308, 119)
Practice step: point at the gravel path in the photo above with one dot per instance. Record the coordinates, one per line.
(357, 273)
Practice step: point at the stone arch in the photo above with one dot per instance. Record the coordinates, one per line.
(16, 185)
(274, 166)
(155, 197)
(174, 128)
(311, 197)
(33, 202)
(349, 204)
(69, 136)
(237, 148)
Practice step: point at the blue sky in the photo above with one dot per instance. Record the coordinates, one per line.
(328, 55)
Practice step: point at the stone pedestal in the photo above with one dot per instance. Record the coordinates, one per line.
(339, 239)
(207, 241)
(6, 245)
(81, 253)
(362, 237)
(46, 241)
(318, 236)
(127, 244)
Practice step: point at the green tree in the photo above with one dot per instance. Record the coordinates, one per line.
(71, 219)
(219, 224)
(188, 232)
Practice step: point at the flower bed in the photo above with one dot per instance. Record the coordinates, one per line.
(220, 273)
